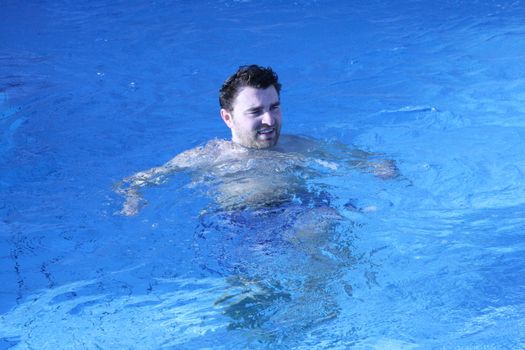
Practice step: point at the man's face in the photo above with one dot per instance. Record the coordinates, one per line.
(255, 119)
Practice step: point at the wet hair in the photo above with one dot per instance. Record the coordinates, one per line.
(253, 76)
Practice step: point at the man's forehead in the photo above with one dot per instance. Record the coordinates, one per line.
(249, 96)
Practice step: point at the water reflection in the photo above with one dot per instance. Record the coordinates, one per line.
(81, 315)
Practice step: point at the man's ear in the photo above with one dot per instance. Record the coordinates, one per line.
(227, 117)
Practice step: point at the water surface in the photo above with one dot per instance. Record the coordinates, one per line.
(92, 92)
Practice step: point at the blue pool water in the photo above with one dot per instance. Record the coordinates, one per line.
(93, 91)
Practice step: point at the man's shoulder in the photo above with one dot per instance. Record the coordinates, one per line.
(297, 143)
(204, 155)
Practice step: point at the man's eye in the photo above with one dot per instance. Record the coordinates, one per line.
(274, 108)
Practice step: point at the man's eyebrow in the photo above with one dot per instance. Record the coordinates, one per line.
(254, 109)
(259, 108)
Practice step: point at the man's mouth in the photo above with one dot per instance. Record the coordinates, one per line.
(266, 131)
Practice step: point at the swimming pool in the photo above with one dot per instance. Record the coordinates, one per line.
(93, 92)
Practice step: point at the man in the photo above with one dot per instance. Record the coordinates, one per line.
(251, 108)
(266, 199)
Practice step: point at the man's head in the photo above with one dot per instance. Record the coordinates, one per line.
(250, 106)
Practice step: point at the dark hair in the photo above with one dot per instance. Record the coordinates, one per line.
(254, 76)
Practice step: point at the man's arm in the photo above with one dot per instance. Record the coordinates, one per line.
(329, 155)
(130, 186)
(382, 168)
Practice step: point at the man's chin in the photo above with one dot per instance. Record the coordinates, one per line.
(259, 141)
(267, 142)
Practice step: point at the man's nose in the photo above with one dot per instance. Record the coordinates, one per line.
(268, 118)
